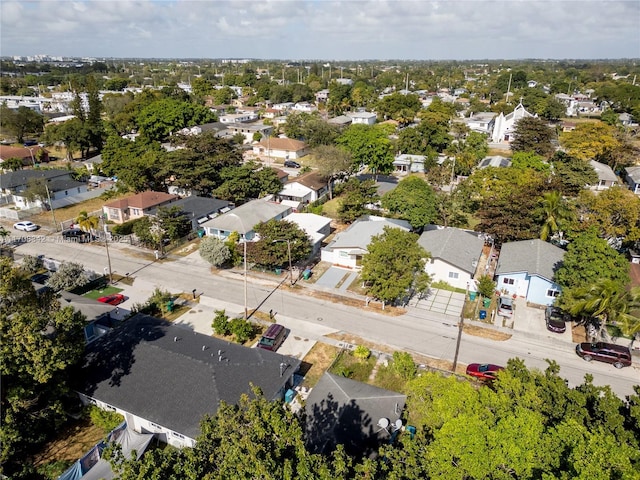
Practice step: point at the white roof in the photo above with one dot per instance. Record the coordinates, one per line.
(309, 222)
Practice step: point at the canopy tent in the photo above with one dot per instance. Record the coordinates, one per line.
(93, 467)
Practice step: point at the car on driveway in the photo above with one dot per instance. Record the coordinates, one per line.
(291, 164)
(483, 371)
(114, 299)
(617, 355)
(76, 235)
(555, 320)
(26, 226)
(505, 306)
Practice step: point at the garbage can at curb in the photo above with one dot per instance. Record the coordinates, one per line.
(483, 314)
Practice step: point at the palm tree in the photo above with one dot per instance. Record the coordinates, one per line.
(607, 301)
(556, 212)
(87, 222)
(4, 233)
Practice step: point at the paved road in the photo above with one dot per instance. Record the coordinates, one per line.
(425, 332)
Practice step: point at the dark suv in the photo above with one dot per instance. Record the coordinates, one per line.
(291, 164)
(617, 355)
(76, 235)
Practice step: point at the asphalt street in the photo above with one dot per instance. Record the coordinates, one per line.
(424, 332)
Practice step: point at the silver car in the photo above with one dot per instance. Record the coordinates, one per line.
(505, 307)
(26, 226)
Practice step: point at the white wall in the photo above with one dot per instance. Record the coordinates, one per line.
(441, 271)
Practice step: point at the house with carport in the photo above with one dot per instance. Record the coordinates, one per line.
(455, 254)
(163, 378)
(349, 246)
(526, 268)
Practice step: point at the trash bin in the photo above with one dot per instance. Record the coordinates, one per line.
(170, 306)
(200, 233)
(483, 314)
(306, 274)
(486, 302)
(278, 271)
(472, 296)
(289, 395)
(412, 431)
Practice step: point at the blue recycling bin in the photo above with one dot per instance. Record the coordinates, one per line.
(472, 296)
(483, 314)
(288, 396)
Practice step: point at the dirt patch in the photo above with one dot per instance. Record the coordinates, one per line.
(72, 211)
(579, 334)
(73, 441)
(486, 333)
(316, 362)
(355, 340)
(354, 302)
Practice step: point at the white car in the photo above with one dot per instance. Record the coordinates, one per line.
(26, 226)
(505, 307)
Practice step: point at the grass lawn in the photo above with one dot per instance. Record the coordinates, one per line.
(387, 378)
(352, 367)
(316, 362)
(330, 208)
(71, 212)
(95, 294)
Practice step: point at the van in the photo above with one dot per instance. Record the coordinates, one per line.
(273, 337)
(617, 355)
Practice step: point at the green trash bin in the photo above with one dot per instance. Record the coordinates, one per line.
(170, 306)
(278, 271)
(472, 296)
(306, 274)
(486, 302)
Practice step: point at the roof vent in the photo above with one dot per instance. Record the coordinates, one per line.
(204, 347)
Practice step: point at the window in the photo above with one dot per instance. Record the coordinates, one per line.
(453, 274)
(344, 254)
(177, 435)
(508, 281)
(552, 293)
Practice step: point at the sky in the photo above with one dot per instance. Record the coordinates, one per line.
(322, 30)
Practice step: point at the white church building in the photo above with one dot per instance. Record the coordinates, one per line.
(505, 124)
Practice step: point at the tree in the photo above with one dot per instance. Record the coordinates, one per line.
(250, 180)
(398, 106)
(214, 251)
(556, 214)
(589, 259)
(73, 133)
(93, 123)
(532, 134)
(276, 237)
(220, 322)
(333, 163)
(554, 109)
(486, 286)
(174, 222)
(393, 260)
(13, 164)
(69, 275)
(166, 116)
(87, 222)
(370, 146)
(430, 136)
(41, 344)
(355, 197)
(21, 122)
(37, 190)
(31, 264)
(116, 84)
(589, 141)
(412, 200)
(572, 174)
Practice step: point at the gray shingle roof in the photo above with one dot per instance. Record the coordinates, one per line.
(360, 233)
(197, 206)
(22, 177)
(251, 213)
(139, 368)
(343, 411)
(532, 256)
(460, 248)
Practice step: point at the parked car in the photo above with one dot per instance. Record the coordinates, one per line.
(40, 278)
(273, 337)
(26, 226)
(483, 371)
(555, 319)
(505, 306)
(617, 355)
(76, 235)
(113, 299)
(291, 164)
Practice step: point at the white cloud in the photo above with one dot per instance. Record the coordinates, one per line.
(322, 29)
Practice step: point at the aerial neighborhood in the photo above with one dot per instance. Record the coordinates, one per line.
(263, 269)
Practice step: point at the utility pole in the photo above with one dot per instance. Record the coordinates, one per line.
(106, 245)
(458, 340)
(53, 215)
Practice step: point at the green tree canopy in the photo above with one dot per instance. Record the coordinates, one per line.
(393, 263)
(532, 134)
(589, 140)
(412, 200)
(21, 122)
(355, 197)
(276, 237)
(214, 251)
(163, 117)
(398, 106)
(333, 163)
(370, 146)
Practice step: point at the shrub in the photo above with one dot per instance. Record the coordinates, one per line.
(214, 251)
(125, 228)
(32, 264)
(220, 323)
(104, 419)
(486, 286)
(361, 352)
(403, 365)
(344, 371)
(69, 275)
(241, 329)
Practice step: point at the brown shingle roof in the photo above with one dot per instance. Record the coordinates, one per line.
(312, 180)
(143, 200)
(283, 144)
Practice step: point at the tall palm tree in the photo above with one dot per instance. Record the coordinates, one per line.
(556, 212)
(87, 222)
(607, 301)
(4, 233)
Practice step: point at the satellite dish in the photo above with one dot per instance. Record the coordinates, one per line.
(383, 423)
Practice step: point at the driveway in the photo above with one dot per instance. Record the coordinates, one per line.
(332, 277)
(442, 301)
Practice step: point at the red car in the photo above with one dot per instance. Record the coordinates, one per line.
(483, 371)
(115, 299)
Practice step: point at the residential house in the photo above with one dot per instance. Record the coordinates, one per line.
(505, 124)
(216, 127)
(304, 107)
(315, 226)
(92, 164)
(481, 122)
(59, 185)
(99, 316)
(303, 190)
(362, 118)
(341, 121)
(322, 96)
(30, 156)
(198, 209)
(163, 378)
(283, 107)
(526, 268)
(568, 126)
(248, 130)
(405, 163)
(282, 148)
(349, 246)
(238, 117)
(344, 81)
(136, 206)
(244, 218)
(454, 254)
(496, 161)
(632, 176)
(359, 416)
(606, 177)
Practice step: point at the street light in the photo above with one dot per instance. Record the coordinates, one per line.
(288, 253)
(244, 244)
